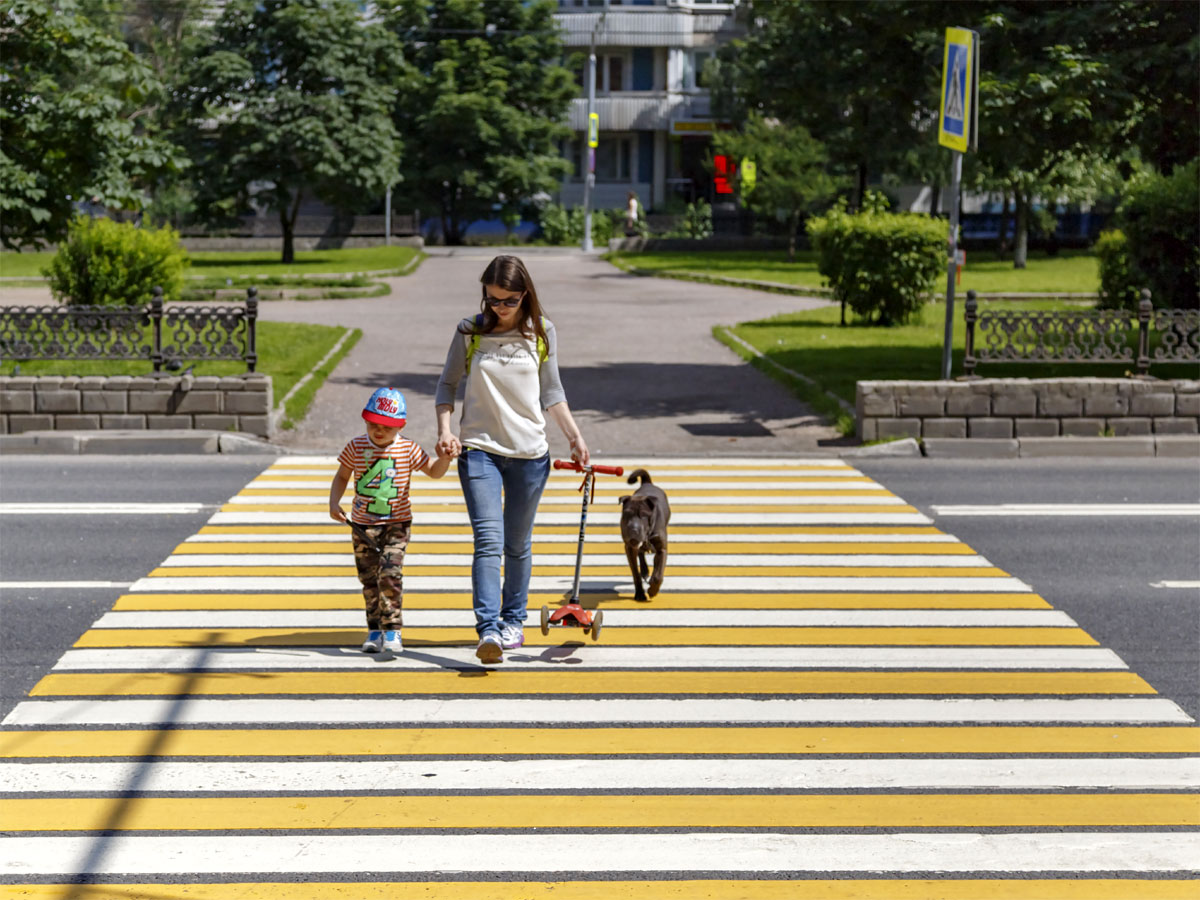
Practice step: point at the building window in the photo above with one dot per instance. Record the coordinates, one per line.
(693, 69)
(613, 158)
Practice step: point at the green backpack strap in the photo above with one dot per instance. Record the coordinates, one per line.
(543, 349)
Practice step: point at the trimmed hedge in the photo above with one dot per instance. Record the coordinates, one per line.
(882, 265)
(1161, 222)
(107, 263)
(1119, 289)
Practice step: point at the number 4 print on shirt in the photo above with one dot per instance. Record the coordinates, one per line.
(383, 491)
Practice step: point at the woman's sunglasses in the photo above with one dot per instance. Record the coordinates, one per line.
(510, 303)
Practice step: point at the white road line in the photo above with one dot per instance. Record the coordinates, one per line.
(599, 517)
(60, 585)
(603, 774)
(1175, 584)
(81, 508)
(739, 464)
(581, 710)
(597, 656)
(1071, 509)
(595, 539)
(417, 559)
(613, 618)
(696, 851)
(421, 501)
(622, 584)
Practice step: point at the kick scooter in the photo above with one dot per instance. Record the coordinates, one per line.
(572, 613)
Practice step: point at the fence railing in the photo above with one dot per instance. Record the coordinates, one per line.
(162, 335)
(1083, 336)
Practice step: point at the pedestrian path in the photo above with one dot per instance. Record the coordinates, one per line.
(831, 698)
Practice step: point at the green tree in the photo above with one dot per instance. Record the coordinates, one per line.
(483, 107)
(291, 98)
(791, 177)
(860, 76)
(72, 120)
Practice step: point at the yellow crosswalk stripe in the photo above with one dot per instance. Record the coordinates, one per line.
(604, 811)
(588, 683)
(594, 570)
(428, 547)
(625, 636)
(690, 508)
(342, 531)
(800, 740)
(668, 600)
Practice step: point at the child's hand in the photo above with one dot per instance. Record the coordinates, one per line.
(448, 445)
(336, 513)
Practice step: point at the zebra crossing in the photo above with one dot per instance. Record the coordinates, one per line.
(831, 698)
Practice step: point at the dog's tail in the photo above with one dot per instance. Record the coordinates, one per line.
(639, 473)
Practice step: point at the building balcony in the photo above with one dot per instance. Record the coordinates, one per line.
(640, 110)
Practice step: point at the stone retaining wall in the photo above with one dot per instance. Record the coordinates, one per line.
(240, 403)
(1026, 407)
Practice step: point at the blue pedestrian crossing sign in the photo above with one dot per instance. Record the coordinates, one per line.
(958, 121)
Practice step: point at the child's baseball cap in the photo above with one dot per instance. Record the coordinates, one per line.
(386, 407)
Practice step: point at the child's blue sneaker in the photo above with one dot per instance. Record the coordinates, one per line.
(512, 636)
(392, 642)
(373, 643)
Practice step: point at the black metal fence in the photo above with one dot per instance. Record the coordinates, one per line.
(162, 335)
(1084, 336)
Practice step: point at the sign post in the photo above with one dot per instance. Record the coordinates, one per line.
(958, 129)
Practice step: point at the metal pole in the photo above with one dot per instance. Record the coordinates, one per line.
(387, 218)
(955, 179)
(589, 176)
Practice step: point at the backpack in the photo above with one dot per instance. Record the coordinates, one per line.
(543, 351)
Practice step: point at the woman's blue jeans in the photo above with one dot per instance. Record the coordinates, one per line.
(502, 527)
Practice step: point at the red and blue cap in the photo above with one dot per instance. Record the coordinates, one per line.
(386, 407)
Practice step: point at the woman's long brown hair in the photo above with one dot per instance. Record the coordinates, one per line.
(510, 274)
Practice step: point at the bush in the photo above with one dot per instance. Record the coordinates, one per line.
(564, 227)
(882, 265)
(107, 263)
(696, 224)
(1161, 221)
(1119, 288)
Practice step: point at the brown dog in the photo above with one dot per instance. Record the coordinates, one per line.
(644, 518)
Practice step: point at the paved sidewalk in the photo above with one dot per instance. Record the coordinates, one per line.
(642, 371)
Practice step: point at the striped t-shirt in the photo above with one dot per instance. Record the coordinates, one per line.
(380, 476)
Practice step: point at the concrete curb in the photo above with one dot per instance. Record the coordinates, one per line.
(167, 441)
(904, 447)
(1166, 445)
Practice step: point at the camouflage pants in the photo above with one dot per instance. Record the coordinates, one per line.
(379, 556)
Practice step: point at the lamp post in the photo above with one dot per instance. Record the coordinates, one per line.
(593, 133)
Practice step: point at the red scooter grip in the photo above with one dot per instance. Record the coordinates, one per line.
(576, 467)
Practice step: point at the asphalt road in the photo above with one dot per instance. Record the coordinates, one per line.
(38, 625)
(1099, 570)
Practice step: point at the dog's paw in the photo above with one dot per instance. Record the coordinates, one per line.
(652, 590)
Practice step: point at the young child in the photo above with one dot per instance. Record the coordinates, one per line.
(381, 463)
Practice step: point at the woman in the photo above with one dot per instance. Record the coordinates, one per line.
(508, 354)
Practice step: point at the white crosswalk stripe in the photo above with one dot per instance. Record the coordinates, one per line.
(830, 691)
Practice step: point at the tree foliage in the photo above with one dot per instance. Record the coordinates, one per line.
(283, 97)
(482, 107)
(791, 177)
(73, 123)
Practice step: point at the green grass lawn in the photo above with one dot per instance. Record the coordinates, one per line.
(1068, 271)
(286, 351)
(209, 264)
(812, 342)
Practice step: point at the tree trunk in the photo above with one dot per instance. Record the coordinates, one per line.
(935, 196)
(793, 226)
(1021, 234)
(1002, 239)
(287, 224)
(860, 188)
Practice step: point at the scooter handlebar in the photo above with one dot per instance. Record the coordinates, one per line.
(576, 467)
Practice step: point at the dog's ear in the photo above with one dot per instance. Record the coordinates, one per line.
(625, 499)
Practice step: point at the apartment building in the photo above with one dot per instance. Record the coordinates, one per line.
(656, 122)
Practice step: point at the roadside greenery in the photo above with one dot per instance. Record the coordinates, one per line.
(837, 356)
(882, 265)
(1161, 218)
(108, 263)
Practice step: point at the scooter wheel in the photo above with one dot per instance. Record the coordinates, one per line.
(545, 620)
(597, 621)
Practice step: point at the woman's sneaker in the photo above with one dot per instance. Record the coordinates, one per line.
(392, 642)
(489, 649)
(511, 636)
(373, 643)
